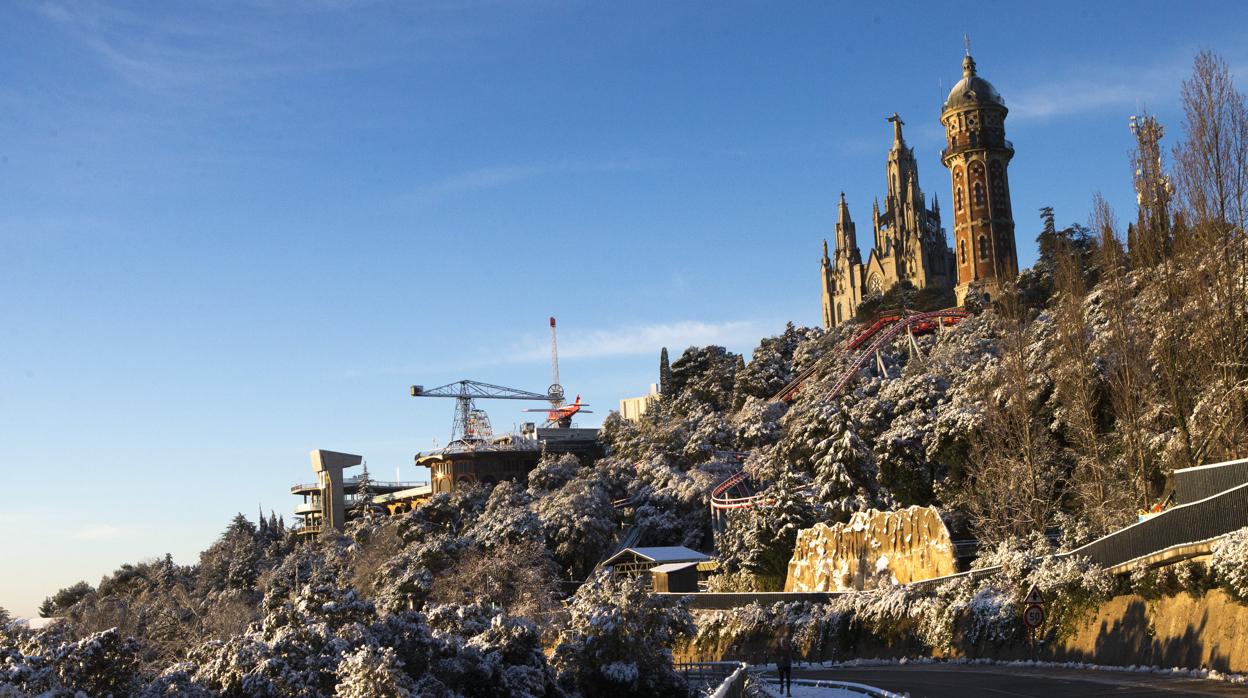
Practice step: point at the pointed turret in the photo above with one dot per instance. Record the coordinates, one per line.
(846, 234)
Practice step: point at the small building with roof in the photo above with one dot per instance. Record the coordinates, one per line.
(630, 561)
(676, 577)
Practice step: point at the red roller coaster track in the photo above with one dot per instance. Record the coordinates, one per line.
(736, 492)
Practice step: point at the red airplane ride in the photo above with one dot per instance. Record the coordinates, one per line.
(562, 416)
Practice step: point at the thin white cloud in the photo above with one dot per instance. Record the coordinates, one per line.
(493, 176)
(628, 340)
(98, 532)
(640, 340)
(198, 45)
(1100, 87)
(1081, 96)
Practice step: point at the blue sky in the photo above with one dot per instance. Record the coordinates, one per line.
(234, 232)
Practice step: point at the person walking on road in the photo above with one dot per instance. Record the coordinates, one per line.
(784, 663)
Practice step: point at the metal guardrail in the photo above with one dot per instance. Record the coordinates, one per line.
(724, 600)
(1201, 520)
(728, 678)
(1195, 484)
(860, 688)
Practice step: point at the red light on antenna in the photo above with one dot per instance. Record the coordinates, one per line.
(552, 320)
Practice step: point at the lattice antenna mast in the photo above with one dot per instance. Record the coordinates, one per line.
(555, 391)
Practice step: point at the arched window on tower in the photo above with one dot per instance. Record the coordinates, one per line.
(983, 248)
(962, 250)
(998, 186)
(979, 194)
(957, 198)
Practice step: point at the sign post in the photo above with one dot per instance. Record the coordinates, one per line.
(1033, 615)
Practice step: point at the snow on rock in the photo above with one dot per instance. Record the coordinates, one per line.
(873, 547)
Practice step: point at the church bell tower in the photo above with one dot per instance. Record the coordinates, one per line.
(978, 157)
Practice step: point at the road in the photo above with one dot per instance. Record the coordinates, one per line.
(961, 681)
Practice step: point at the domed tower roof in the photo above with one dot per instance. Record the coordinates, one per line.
(972, 90)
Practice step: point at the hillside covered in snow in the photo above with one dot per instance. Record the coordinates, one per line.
(1047, 417)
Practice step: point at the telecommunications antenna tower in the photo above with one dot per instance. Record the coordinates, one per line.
(555, 391)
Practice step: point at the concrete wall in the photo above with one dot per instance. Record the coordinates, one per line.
(1184, 631)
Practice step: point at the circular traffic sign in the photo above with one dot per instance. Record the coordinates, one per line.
(1033, 616)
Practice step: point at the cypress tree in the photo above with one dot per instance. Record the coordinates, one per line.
(665, 372)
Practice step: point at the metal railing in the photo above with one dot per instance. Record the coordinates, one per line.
(728, 678)
(1195, 484)
(849, 686)
(1201, 520)
(307, 529)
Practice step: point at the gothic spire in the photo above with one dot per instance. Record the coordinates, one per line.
(842, 214)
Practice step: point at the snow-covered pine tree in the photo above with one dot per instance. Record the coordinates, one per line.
(364, 493)
(618, 640)
(372, 672)
(262, 524)
(841, 460)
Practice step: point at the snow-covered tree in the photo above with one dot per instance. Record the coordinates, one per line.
(578, 522)
(552, 472)
(372, 672)
(618, 640)
(705, 375)
(364, 493)
(1230, 563)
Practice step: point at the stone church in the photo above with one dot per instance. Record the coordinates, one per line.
(909, 243)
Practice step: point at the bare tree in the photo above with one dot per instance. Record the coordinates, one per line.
(1126, 357)
(1014, 484)
(1211, 171)
(1212, 164)
(1097, 487)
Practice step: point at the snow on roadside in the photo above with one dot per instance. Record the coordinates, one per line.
(806, 691)
(1176, 672)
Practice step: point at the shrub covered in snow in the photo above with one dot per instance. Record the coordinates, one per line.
(1230, 563)
(751, 631)
(618, 640)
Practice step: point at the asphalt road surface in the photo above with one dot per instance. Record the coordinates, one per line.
(962, 681)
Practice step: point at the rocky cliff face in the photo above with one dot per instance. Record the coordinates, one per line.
(872, 547)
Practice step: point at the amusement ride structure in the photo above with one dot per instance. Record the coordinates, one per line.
(471, 425)
(737, 491)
